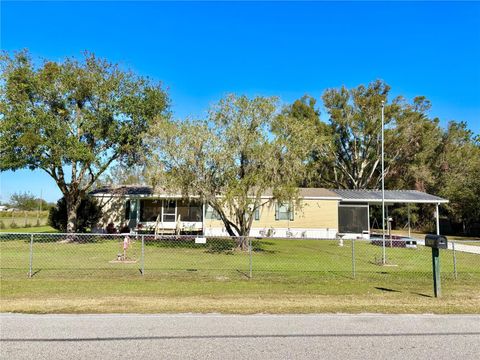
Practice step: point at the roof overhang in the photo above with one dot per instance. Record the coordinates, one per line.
(396, 201)
(389, 197)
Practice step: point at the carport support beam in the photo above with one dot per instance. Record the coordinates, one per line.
(437, 214)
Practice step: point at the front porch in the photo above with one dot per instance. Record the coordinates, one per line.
(165, 215)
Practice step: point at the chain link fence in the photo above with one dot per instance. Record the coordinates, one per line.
(136, 255)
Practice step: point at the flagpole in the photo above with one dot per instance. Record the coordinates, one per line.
(384, 259)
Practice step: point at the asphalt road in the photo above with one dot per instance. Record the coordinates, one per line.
(240, 337)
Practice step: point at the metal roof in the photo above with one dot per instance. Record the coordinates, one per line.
(391, 196)
(364, 196)
(144, 191)
(123, 190)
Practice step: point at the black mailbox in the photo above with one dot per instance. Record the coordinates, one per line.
(436, 241)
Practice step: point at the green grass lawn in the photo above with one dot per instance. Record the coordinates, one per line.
(20, 222)
(38, 229)
(288, 276)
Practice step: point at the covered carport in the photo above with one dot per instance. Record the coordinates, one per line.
(354, 207)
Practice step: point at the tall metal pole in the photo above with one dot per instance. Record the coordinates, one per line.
(409, 231)
(384, 259)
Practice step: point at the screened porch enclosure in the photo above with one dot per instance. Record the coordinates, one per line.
(167, 214)
(353, 218)
(354, 208)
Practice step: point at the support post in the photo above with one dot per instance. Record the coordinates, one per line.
(353, 258)
(437, 214)
(436, 272)
(143, 255)
(408, 212)
(30, 270)
(454, 261)
(250, 256)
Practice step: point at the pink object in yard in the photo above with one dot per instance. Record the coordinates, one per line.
(126, 242)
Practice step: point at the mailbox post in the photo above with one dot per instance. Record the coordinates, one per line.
(436, 242)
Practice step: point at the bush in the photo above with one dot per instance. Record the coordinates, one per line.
(88, 214)
(13, 225)
(2, 225)
(27, 225)
(38, 224)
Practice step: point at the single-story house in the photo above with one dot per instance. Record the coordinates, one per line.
(320, 213)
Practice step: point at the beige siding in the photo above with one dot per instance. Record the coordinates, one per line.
(311, 214)
(113, 210)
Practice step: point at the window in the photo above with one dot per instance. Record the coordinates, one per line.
(169, 211)
(127, 210)
(150, 209)
(284, 212)
(189, 210)
(257, 214)
(211, 214)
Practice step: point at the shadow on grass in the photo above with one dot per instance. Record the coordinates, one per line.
(420, 294)
(386, 289)
(225, 246)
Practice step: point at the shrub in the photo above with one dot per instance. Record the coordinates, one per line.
(27, 225)
(88, 214)
(2, 225)
(38, 224)
(13, 225)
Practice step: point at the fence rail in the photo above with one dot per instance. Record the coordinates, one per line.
(136, 255)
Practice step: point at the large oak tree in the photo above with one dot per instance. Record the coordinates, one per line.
(73, 119)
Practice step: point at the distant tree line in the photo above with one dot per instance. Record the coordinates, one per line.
(105, 125)
(26, 201)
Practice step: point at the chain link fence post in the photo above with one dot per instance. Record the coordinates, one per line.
(353, 258)
(454, 261)
(143, 255)
(30, 271)
(250, 255)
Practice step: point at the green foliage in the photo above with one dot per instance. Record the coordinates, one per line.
(88, 214)
(13, 225)
(244, 149)
(119, 174)
(27, 202)
(351, 157)
(2, 224)
(74, 115)
(458, 174)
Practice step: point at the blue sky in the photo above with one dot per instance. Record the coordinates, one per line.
(202, 51)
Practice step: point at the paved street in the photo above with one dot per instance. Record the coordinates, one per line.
(240, 337)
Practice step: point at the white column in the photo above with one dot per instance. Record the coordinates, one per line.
(437, 214)
(137, 205)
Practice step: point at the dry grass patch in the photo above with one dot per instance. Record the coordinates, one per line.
(374, 303)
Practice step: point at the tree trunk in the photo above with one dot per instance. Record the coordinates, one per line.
(242, 243)
(72, 208)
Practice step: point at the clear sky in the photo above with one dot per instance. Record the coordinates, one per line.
(203, 50)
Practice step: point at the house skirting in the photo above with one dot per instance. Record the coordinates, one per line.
(297, 233)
